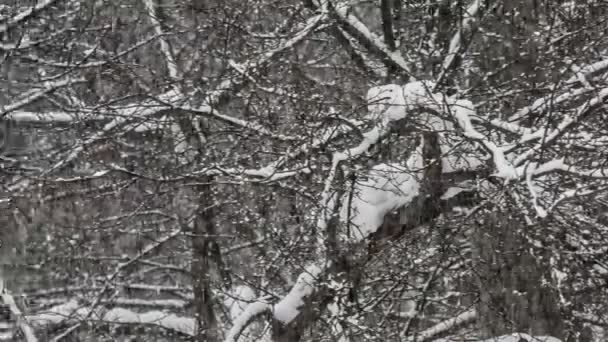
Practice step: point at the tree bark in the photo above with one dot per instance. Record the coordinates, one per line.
(202, 239)
(514, 284)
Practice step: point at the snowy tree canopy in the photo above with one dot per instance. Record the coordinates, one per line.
(265, 170)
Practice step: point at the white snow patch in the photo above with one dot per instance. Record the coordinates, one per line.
(289, 307)
(391, 102)
(386, 101)
(389, 186)
(56, 314)
(516, 337)
(73, 311)
(170, 321)
(240, 298)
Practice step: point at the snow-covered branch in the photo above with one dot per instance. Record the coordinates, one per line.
(174, 100)
(22, 322)
(444, 326)
(23, 16)
(543, 104)
(457, 42)
(567, 122)
(370, 40)
(154, 13)
(72, 311)
(589, 71)
(245, 318)
(122, 266)
(32, 95)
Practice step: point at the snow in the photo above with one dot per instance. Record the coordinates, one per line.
(23, 323)
(386, 101)
(456, 42)
(244, 307)
(463, 110)
(392, 102)
(152, 8)
(344, 12)
(567, 122)
(241, 322)
(459, 161)
(446, 325)
(184, 325)
(589, 70)
(36, 93)
(73, 311)
(58, 314)
(545, 103)
(19, 17)
(389, 186)
(238, 300)
(19, 116)
(288, 308)
(516, 337)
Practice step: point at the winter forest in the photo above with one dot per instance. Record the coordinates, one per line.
(304, 170)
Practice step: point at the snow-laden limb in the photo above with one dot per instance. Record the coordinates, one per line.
(20, 17)
(392, 102)
(72, 311)
(388, 187)
(444, 326)
(567, 123)
(370, 66)
(374, 41)
(123, 265)
(574, 193)
(288, 308)
(42, 117)
(462, 111)
(209, 111)
(456, 43)
(559, 165)
(57, 314)
(237, 303)
(386, 101)
(505, 126)
(165, 48)
(386, 104)
(545, 103)
(589, 70)
(517, 337)
(27, 43)
(34, 94)
(184, 325)
(529, 171)
(154, 12)
(173, 99)
(145, 109)
(158, 303)
(336, 310)
(254, 65)
(22, 321)
(285, 311)
(240, 324)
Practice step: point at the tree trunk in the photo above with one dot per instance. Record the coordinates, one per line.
(514, 285)
(202, 235)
